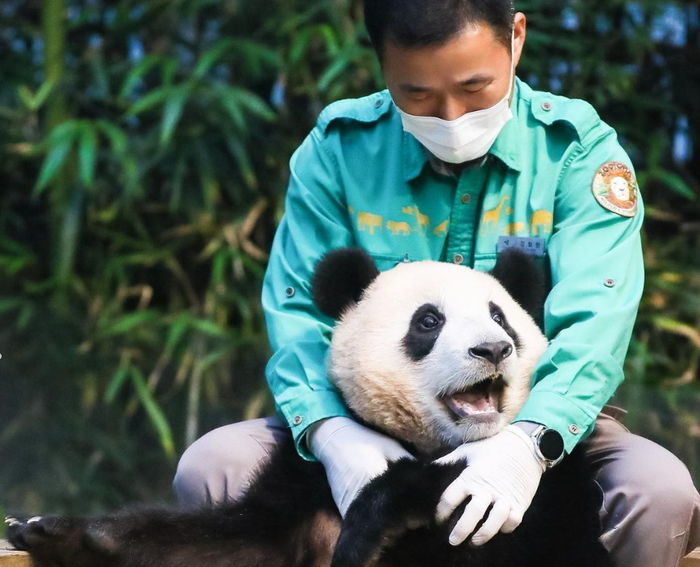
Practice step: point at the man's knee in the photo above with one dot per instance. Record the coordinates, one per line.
(218, 466)
(648, 482)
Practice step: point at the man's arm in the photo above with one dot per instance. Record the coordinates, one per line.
(315, 221)
(597, 281)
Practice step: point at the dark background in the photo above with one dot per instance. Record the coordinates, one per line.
(143, 161)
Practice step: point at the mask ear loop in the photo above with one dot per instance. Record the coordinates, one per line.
(511, 90)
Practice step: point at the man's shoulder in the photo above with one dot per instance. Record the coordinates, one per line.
(365, 110)
(551, 110)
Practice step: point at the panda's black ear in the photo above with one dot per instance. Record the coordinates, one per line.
(524, 279)
(340, 278)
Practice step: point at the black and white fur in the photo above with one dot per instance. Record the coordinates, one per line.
(431, 353)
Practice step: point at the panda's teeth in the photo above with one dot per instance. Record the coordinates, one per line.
(479, 399)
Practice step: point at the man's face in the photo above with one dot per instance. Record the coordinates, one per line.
(472, 71)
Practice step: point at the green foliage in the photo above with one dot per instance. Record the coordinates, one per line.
(143, 173)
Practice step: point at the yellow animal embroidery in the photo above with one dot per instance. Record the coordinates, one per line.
(492, 216)
(398, 227)
(541, 221)
(423, 220)
(368, 222)
(514, 228)
(441, 228)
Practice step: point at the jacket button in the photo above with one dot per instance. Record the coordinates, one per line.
(610, 282)
(546, 105)
(289, 292)
(466, 199)
(458, 259)
(575, 429)
(297, 420)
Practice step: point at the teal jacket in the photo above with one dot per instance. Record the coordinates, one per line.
(359, 179)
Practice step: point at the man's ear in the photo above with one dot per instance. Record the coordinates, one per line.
(524, 279)
(340, 278)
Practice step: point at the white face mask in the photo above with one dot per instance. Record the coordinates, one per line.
(466, 138)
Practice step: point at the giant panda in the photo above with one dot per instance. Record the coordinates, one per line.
(431, 353)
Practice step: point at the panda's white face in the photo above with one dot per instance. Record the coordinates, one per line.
(435, 354)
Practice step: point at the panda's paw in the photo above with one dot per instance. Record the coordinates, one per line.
(36, 532)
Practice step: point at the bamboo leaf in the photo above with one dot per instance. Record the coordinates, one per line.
(154, 412)
(115, 135)
(87, 153)
(60, 144)
(130, 321)
(116, 383)
(137, 73)
(147, 102)
(173, 111)
(176, 331)
(211, 56)
(209, 328)
(678, 328)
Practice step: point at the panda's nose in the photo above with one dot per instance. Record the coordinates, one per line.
(493, 352)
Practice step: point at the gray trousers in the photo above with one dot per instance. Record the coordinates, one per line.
(650, 514)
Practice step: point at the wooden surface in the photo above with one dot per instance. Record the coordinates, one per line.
(692, 560)
(12, 558)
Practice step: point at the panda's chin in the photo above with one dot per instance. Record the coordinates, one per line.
(478, 402)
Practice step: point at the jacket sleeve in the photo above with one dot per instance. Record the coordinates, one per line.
(597, 280)
(315, 221)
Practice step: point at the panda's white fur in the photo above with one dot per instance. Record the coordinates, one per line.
(378, 379)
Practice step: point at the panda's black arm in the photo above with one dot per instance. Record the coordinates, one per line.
(403, 498)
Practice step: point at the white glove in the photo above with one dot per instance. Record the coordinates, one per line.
(502, 470)
(352, 455)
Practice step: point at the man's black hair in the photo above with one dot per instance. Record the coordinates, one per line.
(420, 23)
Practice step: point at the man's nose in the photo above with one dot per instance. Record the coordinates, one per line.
(451, 109)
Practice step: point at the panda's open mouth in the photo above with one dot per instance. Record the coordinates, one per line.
(479, 399)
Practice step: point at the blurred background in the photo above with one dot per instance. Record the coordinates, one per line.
(143, 162)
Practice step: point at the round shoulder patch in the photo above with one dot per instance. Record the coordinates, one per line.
(615, 188)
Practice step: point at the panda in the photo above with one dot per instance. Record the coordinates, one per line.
(431, 353)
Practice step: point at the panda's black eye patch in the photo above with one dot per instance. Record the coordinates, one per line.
(498, 316)
(425, 327)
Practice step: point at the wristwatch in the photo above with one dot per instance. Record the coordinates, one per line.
(549, 445)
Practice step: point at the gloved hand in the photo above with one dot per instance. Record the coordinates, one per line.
(352, 455)
(502, 470)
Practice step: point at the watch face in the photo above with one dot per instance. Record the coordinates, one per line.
(551, 445)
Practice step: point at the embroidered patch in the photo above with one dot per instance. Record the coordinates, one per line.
(615, 188)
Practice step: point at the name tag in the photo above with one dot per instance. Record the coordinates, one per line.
(530, 245)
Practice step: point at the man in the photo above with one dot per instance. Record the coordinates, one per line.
(457, 161)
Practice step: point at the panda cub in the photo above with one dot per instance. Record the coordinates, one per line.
(431, 353)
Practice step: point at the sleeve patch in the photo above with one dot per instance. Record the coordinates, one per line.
(615, 188)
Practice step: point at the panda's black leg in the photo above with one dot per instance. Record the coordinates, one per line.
(403, 498)
(59, 540)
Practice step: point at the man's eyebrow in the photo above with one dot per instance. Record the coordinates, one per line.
(414, 88)
(475, 80)
(471, 81)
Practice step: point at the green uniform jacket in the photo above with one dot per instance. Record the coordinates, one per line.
(359, 179)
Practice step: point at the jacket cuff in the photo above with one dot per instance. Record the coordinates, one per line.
(308, 408)
(559, 413)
